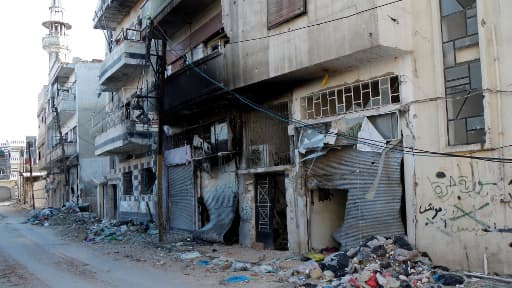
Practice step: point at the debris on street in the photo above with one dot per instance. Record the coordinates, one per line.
(389, 262)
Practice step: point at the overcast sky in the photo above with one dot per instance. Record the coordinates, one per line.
(25, 63)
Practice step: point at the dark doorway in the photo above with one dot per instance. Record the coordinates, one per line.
(232, 236)
(114, 200)
(403, 207)
(271, 226)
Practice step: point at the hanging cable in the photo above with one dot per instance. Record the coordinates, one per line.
(355, 140)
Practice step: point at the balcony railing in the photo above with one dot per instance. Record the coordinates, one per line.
(55, 154)
(104, 121)
(109, 13)
(123, 130)
(126, 34)
(127, 56)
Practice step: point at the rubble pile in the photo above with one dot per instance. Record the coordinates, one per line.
(85, 226)
(41, 217)
(119, 231)
(377, 262)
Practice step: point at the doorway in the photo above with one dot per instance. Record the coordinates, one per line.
(271, 225)
(327, 215)
(110, 201)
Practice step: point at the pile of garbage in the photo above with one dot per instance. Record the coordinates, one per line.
(118, 231)
(377, 262)
(41, 217)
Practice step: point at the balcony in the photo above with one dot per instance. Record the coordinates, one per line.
(109, 13)
(65, 103)
(290, 53)
(54, 43)
(55, 154)
(172, 14)
(122, 131)
(125, 61)
(188, 85)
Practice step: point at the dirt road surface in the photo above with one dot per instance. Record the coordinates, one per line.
(31, 256)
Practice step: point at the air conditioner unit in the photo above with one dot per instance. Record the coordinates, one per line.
(216, 45)
(259, 156)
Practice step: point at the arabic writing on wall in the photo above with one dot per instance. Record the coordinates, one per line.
(463, 204)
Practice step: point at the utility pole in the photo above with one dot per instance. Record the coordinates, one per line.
(161, 66)
(29, 145)
(62, 148)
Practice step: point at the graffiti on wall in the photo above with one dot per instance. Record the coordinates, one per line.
(464, 204)
(461, 187)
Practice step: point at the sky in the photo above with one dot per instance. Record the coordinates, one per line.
(25, 63)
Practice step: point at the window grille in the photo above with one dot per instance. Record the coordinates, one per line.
(352, 98)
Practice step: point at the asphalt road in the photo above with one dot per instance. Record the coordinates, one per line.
(32, 256)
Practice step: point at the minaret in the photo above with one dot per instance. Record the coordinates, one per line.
(56, 41)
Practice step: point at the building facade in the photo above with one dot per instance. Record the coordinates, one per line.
(65, 149)
(305, 124)
(125, 125)
(5, 161)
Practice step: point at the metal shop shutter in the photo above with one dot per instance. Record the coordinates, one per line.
(182, 197)
(280, 11)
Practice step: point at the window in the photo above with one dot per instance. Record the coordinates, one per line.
(147, 180)
(352, 98)
(281, 11)
(127, 183)
(462, 72)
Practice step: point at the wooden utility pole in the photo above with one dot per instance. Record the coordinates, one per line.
(29, 144)
(161, 94)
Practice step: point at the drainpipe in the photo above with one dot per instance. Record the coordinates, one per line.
(499, 112)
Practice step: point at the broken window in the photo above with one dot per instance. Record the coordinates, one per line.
(147, 180)
(268, 140)
(361, 96)
(463, 78)
(127, 183)
(281, 11)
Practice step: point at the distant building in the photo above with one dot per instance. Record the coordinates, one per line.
(65, 149)
(5, 164)
(15, 150)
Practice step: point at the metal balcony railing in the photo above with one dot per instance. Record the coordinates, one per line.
(104, 120)
(100, 9)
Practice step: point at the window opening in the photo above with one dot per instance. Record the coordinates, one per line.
(462, 75)
(127, 183)
(352, 98)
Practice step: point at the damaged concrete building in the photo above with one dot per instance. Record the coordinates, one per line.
(301, 124)
(65, 105)
(126, 122)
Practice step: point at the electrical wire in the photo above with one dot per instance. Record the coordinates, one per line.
(315, 24)
(355, 140)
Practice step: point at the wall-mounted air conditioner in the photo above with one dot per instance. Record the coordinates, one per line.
(259, 156)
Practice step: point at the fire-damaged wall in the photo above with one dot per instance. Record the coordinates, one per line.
(372, 180)
(202, 187)
(219, 191)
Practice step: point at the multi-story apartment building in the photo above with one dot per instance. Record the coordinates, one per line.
(5, 163)
(16, 149)
(304, 124)
(66, 105)
(125, 125)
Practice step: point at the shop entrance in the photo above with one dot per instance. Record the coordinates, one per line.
(271, 227)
